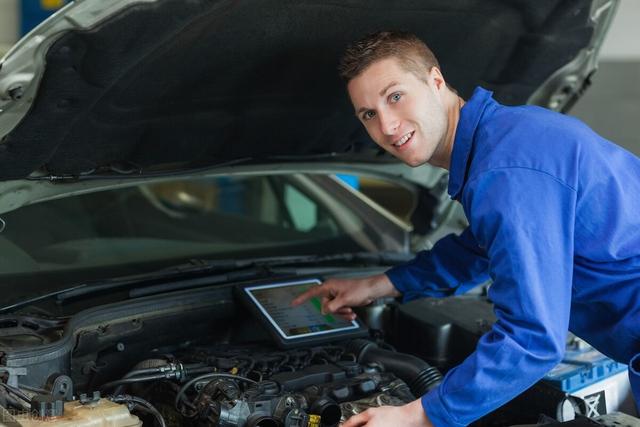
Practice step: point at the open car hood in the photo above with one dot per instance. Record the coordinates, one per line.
(151, 86)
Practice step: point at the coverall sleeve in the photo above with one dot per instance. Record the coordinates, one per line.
(525, 220)
(454, 265)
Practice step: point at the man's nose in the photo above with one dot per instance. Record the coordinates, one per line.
(388, 123)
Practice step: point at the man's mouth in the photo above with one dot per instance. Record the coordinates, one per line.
(403, 140)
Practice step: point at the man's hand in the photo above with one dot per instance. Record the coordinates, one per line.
(410, 415)
(339, 295)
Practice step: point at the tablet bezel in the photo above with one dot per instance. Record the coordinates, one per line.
(355, 330)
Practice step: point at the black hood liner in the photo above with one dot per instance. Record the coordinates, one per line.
(199, 82)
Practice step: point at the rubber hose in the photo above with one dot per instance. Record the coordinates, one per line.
(418, 374)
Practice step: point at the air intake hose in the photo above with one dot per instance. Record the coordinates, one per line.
(418, 374)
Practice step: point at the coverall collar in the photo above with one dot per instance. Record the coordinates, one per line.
(470, 115)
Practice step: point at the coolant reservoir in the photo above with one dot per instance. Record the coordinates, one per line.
(102, 413)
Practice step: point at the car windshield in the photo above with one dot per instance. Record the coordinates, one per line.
(142, 227)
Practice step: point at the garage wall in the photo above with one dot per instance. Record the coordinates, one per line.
(9, 24)
(621, 41)
(612, 105)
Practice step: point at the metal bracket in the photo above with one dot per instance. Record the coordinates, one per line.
(14, 373)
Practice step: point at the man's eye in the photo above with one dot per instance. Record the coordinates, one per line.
(395, 97)
(368, 115)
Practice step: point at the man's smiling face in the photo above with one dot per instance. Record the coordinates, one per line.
(403, 114)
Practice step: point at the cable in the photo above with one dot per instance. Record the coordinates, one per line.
(17, 392)
(133, 380)
(145, 371)
(34, 389)
(9, 400)
(151, 408)
(157, 373)
(143, 404)
(134, 373)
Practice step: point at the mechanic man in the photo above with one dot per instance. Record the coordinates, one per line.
(554, 213)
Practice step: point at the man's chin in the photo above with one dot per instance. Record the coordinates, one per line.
(414, 163)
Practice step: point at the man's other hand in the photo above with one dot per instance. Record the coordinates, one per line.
(340, 295)
(410, 415)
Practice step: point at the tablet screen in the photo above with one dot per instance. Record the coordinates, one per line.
(305, 320)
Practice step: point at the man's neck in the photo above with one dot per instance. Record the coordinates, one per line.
(453, 105)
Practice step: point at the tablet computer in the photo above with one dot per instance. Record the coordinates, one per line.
(301, 325)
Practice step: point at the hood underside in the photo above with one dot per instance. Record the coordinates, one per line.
(176, 84)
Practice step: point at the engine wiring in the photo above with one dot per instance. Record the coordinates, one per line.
(135, 402)
(17, 393)
(235, 385)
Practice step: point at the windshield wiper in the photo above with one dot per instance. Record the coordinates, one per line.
(365, 258)
(23, 303)
(172, 273)
(224, 271)
(267, 265)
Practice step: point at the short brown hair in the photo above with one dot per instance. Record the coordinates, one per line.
(414, 55)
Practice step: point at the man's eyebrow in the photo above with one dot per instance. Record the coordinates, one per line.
(386, 88)
(382, 92)
(361, 110)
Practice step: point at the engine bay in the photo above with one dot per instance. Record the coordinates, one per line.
(254, 386)
(201, 358)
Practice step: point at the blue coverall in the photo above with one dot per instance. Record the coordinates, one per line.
(554, 214)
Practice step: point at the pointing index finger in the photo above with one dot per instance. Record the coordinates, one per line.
(315, 291)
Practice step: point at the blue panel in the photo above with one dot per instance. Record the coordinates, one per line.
(352, 180)
(231, 196)
(582, 368)
(33, 12)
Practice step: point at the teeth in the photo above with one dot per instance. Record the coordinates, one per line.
(402, 140)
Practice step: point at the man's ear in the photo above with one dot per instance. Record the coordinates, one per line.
(435, 75)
